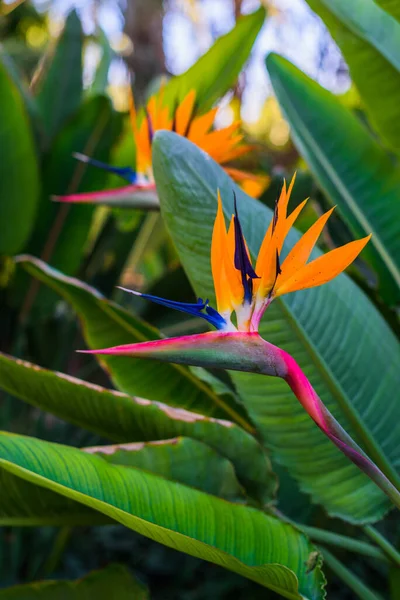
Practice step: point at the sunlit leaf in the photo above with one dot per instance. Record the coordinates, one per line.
(331, 331)
(349, 164)
(242, 539)
(19, 176)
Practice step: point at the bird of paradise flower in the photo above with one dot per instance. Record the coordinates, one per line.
(247, 291)
(223, 145)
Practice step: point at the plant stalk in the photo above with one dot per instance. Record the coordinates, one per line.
(349, 578)
(314, 406)
(390, 551)
(342, 541)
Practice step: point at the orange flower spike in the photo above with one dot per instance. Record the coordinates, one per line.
(242, 348)
(324, 268)
(200, 126)
(184, 112)
(223, 145)
(218, 250)
(300, 253)
(267, 256)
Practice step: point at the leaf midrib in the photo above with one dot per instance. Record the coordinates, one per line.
(62, 489)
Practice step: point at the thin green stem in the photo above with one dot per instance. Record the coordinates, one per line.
(333, 539)
(349, 578)
(57, 551)
(342, 541)
(390, 551)
(142, 240)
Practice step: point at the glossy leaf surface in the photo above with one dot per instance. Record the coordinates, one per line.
(217, 70)
(369, 39)
(349, 164)
(124, 419)
(19, 176)
(237, 537)
(331, 331)
(60, 86)
(105, 323)
(115, 581)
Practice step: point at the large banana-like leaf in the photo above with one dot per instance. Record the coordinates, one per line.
(105, 323)
(59, 83)
(94, 126)
(122, 418)
(350, 165)
(334, 332)
(182, 460)
(115, 581)
(26, 504)
(391, 6)
(19, 176)
(237, 537)
(217, 70)
(369, 38)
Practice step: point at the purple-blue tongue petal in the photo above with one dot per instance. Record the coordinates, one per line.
(196, 309)
(242, 261)
(125, 172)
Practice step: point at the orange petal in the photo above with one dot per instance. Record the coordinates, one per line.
(263, 254)
(218, 249)
(132, 111)
(152, 111)
(201, 125)
(143, 147)
(218, 142)
(300, 253)
(293, 217)
(234, 150)
(252, 184)
(184, 113)
(324, 268)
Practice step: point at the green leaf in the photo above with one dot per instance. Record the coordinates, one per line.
(390, 6)
(61, 232)
(217, 70)
(19, 177)
(113, 582)
(26, 504)
(178, 459)
(331, 331)
(106, 324)
(122, 418)
(369, 39)
(59, 89)
(100, 81)
(237, 537)
(22, 84)
(349, 164)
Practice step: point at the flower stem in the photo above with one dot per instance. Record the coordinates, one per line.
(314, 406)
(353, 582)
(342, 541)
(386, 547)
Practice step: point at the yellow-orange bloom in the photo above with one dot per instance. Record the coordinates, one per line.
(249, 292)
(223, 145)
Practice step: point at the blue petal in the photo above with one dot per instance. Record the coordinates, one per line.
(242, 261)
(195, 309)
(125, 172)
